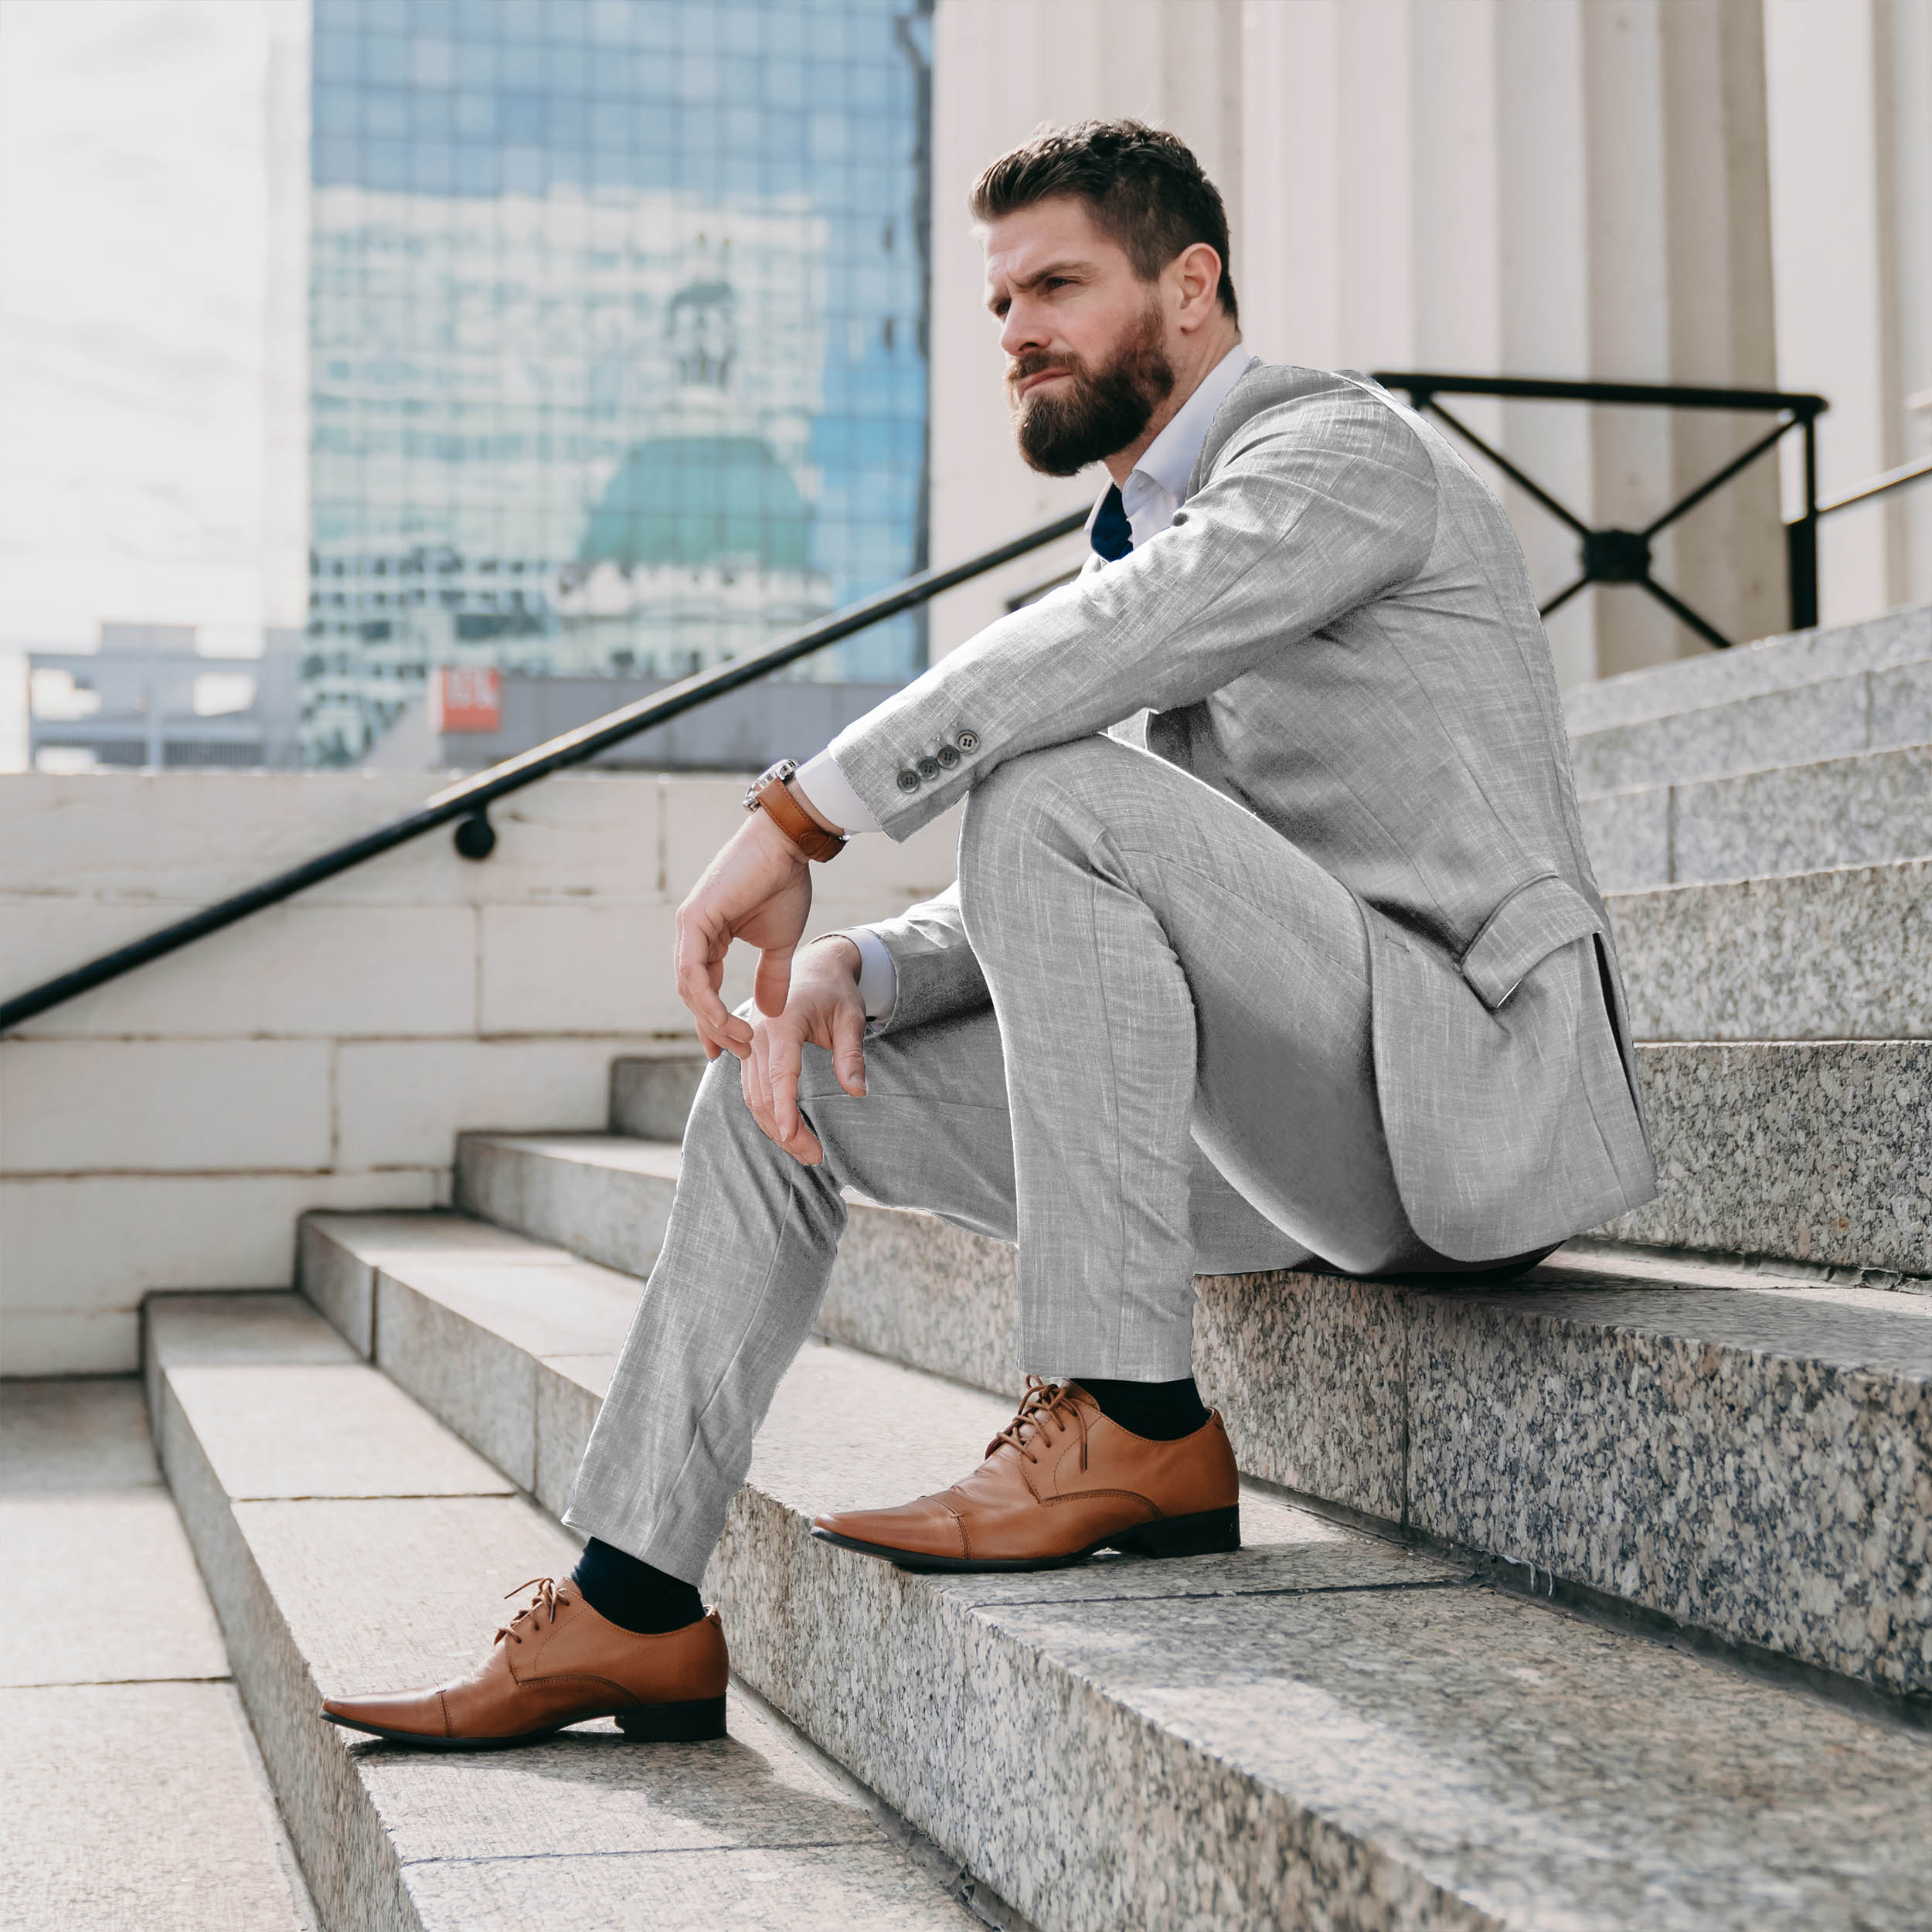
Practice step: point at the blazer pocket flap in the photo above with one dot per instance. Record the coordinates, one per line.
(1527, 927)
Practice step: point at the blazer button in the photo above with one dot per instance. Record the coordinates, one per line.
(929, 768)
(946, 756)
(909, 781)
(969, 741)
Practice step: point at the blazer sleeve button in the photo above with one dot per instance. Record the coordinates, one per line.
(969, 741)
(947, 757)
(909, 781)
(929, 768)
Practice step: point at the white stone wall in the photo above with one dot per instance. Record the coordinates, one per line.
(165, 1131)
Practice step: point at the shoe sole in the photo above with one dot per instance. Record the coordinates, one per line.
(692, 1723)
(1212, 1533)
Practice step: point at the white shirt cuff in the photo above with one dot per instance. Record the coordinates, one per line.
(826, 786)
(878, 977)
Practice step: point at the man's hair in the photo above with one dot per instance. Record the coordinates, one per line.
(1144, 187)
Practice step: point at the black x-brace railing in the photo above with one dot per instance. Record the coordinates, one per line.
(1623, 556)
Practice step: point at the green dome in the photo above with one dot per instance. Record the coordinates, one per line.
(697, 500)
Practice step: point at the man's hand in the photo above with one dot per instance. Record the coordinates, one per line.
(759, 889)
(824, 1009)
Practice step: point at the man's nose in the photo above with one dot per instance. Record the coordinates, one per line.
(1025, 330)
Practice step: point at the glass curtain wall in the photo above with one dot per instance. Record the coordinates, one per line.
(616, 338)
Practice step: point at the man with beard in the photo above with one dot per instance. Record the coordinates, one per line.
(1305, 960)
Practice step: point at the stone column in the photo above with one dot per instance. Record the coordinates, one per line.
(1728, 553)
(1563, 188)
(1544, 301)
(1680, 287)
(1000, 68)
(1851, 110)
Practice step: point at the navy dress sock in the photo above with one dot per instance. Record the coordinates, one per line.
(1156, 1411)
(633, 1595)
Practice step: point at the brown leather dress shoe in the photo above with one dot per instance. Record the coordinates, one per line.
(1059, 1482)
(557, 1662)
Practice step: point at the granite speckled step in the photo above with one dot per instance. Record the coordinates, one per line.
(1744, 724)
(1860, 810)
(1844, 954)
(1323, 1728)
(350, 1542)
(1738, 1451)
(1871, 711)
(1807, 1149)
(1810, 1150)
(1752, 670)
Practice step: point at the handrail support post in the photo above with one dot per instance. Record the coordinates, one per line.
(1801, 537)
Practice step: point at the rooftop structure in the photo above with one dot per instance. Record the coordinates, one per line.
(151, 697)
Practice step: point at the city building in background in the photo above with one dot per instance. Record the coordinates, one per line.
(617, 339)
(474, 715)
(150, 697)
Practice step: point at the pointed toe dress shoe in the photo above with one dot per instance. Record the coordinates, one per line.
(557, 1662)
(1059, 1482)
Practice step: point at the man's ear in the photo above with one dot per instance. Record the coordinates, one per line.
(1196, 274)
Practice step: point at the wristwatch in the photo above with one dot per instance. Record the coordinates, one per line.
(768, 793)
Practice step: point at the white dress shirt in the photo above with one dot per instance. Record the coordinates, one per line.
(1155, 488)
(1157, 485)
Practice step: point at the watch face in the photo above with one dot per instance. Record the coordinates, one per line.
(772, 774)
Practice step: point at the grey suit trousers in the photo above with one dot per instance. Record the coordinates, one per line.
(1174, 1076)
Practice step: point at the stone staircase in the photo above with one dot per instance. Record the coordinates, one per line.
(1598, 1600)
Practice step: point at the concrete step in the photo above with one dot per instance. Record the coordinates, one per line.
(351, 1542)
(650, 1098)
(1874, 710)
(1861, 810)
(1602, 1422)
(1771, 664)
(1324, 1728)
(1844, 954)
(133, 1794)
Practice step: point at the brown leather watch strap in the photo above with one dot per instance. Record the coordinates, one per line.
(793, 820)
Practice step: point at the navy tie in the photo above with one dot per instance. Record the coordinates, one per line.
(1113, 535)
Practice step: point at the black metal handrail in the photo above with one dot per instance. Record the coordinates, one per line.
(1623, 556)
(1608, 556)
(468, 802)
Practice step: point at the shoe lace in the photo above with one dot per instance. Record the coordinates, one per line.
(544, 1603)
(1043, 1403)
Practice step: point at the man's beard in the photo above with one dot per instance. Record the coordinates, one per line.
(1091, 414)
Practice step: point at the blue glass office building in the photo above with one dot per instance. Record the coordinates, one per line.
(617, 337)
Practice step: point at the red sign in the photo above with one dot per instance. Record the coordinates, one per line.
(464, 697)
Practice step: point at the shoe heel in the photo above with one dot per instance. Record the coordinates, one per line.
(1207, 1535)
(674, 1723)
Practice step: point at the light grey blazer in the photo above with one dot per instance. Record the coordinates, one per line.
(1338, 633)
